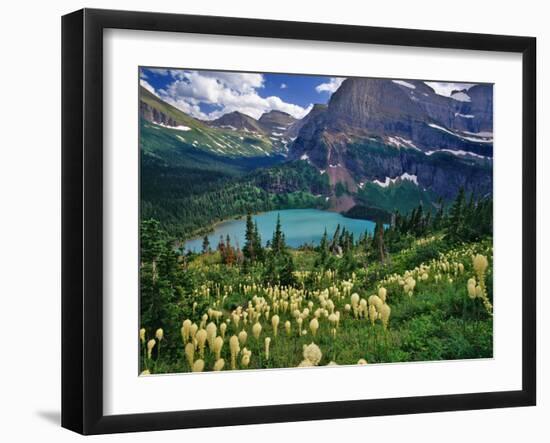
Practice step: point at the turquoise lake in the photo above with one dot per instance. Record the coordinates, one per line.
(300, 226)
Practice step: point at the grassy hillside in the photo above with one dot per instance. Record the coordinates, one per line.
(431, 300)
(218, 141)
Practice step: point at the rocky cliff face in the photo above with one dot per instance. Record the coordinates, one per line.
(294, 128)
(153, 115)
(375, 129)
(237, 120)
(276, 121)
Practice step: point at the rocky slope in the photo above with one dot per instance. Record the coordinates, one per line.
(238, 121)
(383, 131)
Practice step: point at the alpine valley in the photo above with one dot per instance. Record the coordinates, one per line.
(359, 233)
(377, 147)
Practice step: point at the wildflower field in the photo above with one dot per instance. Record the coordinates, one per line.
(419, 289)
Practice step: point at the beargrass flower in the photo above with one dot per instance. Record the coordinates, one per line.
(142, 335)
(382, 294)
(312, 353)
(190, 353)
(472, 293)
(201, 341)
(245, 360)
(220, 363)
(159, 334)
(193, 331)
(150, 345)
(211, 331)
(373, 314)
(242, 337)
(257, 330)
(385, 314)
(305, 364)
(198, 366)
(234, 348)
(314, 325)
(275, 324)
(217, 346)
(480, 265)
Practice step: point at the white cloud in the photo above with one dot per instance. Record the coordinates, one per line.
(283, 86)
(446, 88)
(227, 91)
(331, 86)
(147, 86)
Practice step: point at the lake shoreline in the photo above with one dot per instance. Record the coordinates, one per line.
(303, 226)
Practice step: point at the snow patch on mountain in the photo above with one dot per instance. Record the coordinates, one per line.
(463, 137)
(388, 180)
(458, 153)
(461, 97)
(404, 83)
(177, 128)
(400, 142)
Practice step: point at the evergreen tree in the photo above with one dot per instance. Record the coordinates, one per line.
(456, 217)
(205, 245)
(248, 250)
(438, 219)
(278, 241)
(323, 250)
(221, 245)
(335, 240)
(162, 282)
(286, 270)
(258, 249)
(378, 242)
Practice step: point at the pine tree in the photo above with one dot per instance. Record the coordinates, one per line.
(258, 249)
(278, 241)
(221, 245)
(323, 249)
(335, 239)
(378, 241)
(456, 217)
(161, 279)
(438, 219)
(248, 250)
(205, 245)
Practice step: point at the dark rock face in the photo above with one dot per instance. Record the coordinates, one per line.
(276, 121)
(406, 121)
(153, 115)
(386, 108)
(238, 121)
(371, 104)
(294, 128)
(269, 123)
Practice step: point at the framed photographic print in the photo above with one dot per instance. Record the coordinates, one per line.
(271, 221)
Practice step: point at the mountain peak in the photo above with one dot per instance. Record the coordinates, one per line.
(237, 120)
(275, 112)
(276, 121)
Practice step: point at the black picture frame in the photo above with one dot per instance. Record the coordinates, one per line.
(82, 220)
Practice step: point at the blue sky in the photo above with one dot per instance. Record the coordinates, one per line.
(210, 94)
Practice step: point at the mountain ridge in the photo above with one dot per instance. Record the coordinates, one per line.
(375, 129)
